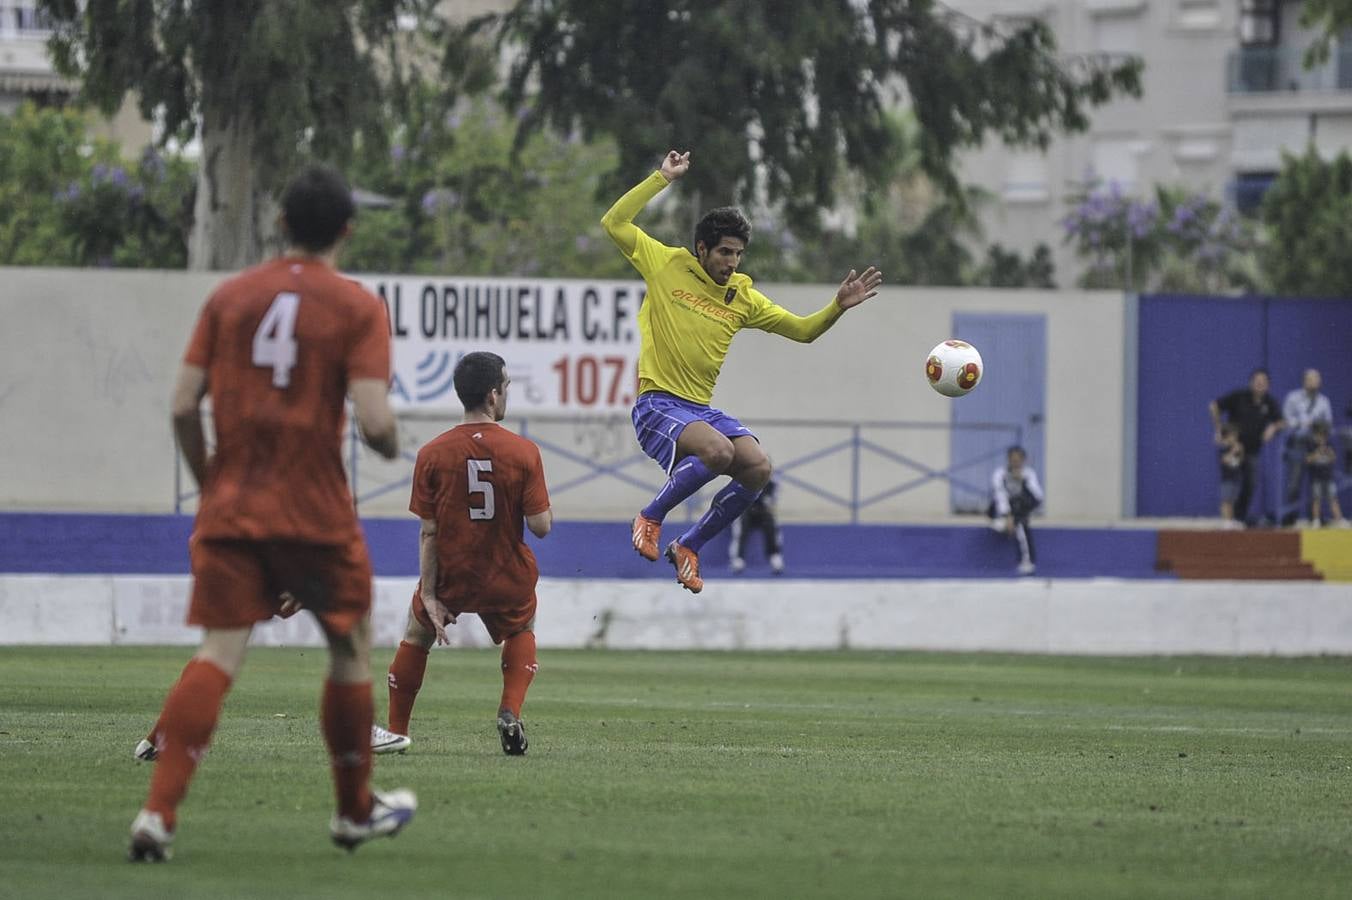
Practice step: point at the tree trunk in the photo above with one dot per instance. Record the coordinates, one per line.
(235, 215)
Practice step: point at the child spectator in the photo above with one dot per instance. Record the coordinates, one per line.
(1015, 493)
(1232, 473)
(1323, 485)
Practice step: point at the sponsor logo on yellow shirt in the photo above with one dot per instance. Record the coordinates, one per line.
(703, 305)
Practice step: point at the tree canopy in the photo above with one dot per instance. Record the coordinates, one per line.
(1328, 18)
(460, 205)
(264, 85)
(777, 98)
(1308, 214)
(69, 199)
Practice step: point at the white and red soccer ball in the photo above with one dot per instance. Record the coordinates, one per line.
(953, 368)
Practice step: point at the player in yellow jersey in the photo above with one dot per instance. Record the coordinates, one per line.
(696, 302)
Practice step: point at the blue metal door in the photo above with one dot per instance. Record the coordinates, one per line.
(1005, 408)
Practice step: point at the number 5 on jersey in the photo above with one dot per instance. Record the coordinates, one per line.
(274, 343)
(475, 466)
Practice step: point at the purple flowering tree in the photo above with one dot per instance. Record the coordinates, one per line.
(69, 199)
(130, 215)
(1177, 240)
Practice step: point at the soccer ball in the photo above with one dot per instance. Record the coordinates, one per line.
(953, 368)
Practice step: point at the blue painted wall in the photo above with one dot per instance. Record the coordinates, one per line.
(1194, 349)
(112, 544)
(1012, 391)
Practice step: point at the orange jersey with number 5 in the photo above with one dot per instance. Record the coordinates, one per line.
(280, 343)
(478, 482)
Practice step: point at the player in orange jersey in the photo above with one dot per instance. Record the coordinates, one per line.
(474, 488)
(279, 348)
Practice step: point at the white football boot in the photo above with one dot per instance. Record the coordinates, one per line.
(386, 741)
(389, 814)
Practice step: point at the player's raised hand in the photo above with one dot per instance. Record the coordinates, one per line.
(675, 165)
(440, 616)
(855, 289)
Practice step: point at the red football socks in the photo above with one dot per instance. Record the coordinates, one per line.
(518, 669)
(346, 714)
(183, 734)
(406, 678)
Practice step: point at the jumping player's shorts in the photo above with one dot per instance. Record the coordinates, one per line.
(659, 418)
(501, 623)
(238, 583)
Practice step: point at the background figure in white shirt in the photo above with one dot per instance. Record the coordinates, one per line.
(1300, 410)
(1015, 493)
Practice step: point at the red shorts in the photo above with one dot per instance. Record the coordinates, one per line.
(238, 583)
(501, 623)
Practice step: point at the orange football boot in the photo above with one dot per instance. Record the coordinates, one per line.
(686, 562)
(646, 533)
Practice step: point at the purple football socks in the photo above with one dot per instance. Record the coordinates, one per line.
(728, 504)
(687, 476)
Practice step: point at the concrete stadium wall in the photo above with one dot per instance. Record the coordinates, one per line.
(87, 360)
(1093, 616)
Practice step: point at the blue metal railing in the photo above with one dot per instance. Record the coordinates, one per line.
(860, 444)
(1265, 70)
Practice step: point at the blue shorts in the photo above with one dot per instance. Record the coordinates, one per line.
(659, 419)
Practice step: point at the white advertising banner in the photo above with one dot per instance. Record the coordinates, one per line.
(571, 345)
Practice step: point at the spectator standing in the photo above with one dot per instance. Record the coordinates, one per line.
(1301, 409)
(1253, 410)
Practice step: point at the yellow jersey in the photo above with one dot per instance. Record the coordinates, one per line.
(687, 320)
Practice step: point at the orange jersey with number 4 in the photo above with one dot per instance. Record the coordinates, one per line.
(478, 482)
(280, 343)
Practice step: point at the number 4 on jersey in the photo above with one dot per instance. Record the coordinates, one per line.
(274, 343)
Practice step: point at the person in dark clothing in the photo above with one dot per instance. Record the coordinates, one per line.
(759, 518)
(1258, 416)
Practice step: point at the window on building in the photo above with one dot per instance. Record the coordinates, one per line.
(1250, 188)
(1025, 178)
(1117, 33)
(1117, 160)
(30, 18)
(1260, 22)
(1199, 15)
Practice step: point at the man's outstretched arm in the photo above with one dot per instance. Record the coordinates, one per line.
(854, 290)
(619, 219)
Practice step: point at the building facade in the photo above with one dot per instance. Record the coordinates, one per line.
(1225, 92)
(26, 72)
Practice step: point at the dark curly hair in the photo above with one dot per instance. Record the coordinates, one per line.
(726, 221)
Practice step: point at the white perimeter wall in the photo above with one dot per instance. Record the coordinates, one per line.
(87, 360)
(1029, 616)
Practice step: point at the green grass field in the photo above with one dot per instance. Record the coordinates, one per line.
(710, 775)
